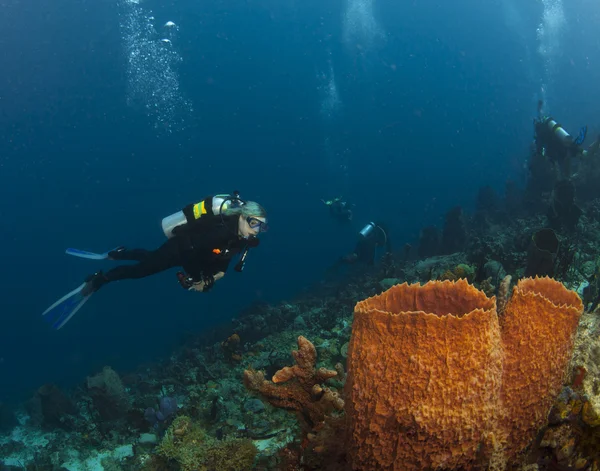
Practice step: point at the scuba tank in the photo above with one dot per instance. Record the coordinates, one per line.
(563, 136)
(553, 128)
(367, 230)
(209, 206)
(171, 222)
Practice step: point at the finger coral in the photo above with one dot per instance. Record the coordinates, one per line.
(302, 391)
(436, 381)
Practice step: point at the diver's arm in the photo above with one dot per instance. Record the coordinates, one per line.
(204, 285)
(205, 274)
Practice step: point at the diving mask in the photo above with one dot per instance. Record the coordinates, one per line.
(258, 224)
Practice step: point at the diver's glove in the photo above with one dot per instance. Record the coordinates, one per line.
(203, 285)
(208, 281)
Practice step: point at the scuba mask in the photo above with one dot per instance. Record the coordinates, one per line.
(257, 224)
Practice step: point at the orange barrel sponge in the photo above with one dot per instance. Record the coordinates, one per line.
(538, 330)
(424, 377)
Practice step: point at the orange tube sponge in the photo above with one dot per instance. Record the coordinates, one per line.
(436, 380)
(424, 377)
(538, 330)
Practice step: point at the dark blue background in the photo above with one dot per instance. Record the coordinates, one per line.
(443, 106)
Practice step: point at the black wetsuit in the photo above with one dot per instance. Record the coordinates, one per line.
(341, 211)
(202, 250)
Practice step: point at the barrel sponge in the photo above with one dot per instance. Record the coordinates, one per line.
(538, 332)
(424, 377)
(436, 380)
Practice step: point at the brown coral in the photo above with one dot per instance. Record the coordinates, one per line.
(434, 380)
(231, 347)
(302, 391)
(304, 369)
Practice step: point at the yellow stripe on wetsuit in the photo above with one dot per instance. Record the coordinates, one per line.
(199, 210)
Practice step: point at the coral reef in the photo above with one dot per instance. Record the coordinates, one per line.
(461, 270)
(192, 410)
(303, 391)
(585, 366)
(186, 443)
(108, 394)
(167, 407)
(231, 347)
(51, 407)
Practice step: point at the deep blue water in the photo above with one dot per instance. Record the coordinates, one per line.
(434, 100)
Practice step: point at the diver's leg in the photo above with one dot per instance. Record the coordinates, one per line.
(136, 255)
(166, 256)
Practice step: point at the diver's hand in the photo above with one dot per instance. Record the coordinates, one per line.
(199, 286)
(204, 285)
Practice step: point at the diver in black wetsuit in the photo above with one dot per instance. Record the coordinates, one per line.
(203, 247)
(556, 144)
(203, 239)
(339, 209)
(370, 238)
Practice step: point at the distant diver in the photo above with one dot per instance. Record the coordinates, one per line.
(370, 238)
(556, 144)
(339, 209)
(202, 239)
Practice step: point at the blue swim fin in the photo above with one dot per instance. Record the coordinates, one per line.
(89, 255)
(581, 137)
(66, 307)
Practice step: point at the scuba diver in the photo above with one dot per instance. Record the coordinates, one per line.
(339, 209)
(202, 238)
(552, 141)
(370, 238)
